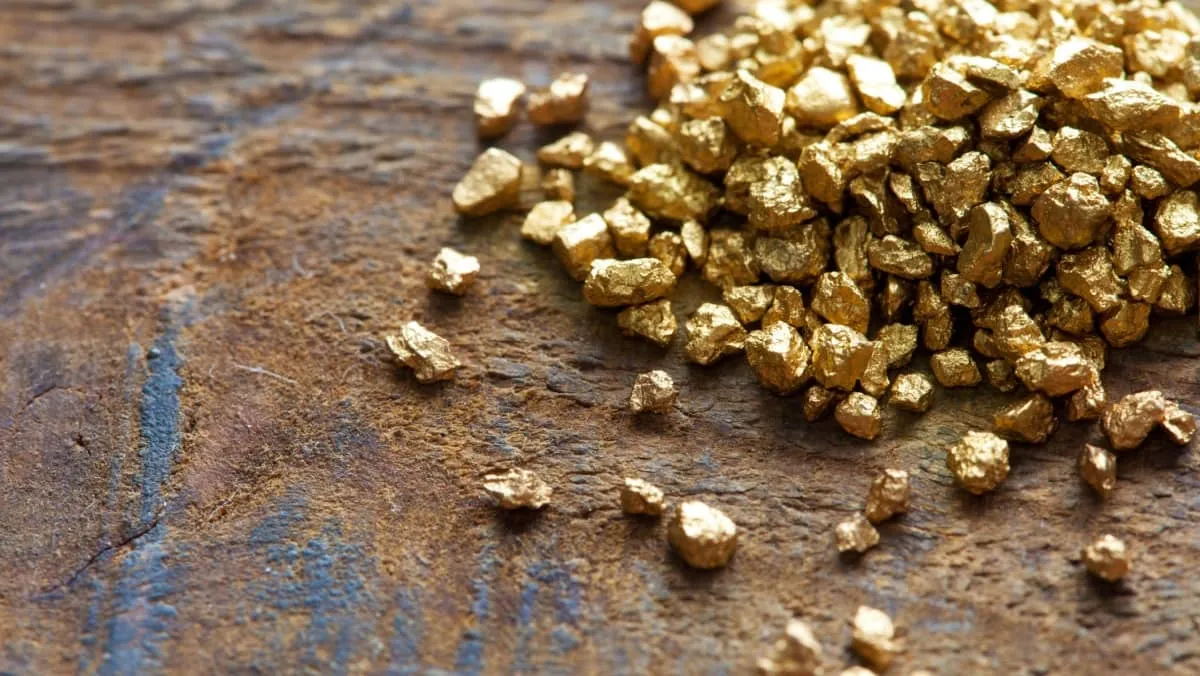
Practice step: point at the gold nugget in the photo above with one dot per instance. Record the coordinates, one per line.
(568, 152)
(796, 653)
(955, 368)
(653, 392)
(496, 106)
(579, 244)
(423, 351)
(1098, 468)
(703, 536)
(517, 489)
(563, 102)
(545, 219)
(713, 332)
(779, 358)
(888, 496)
(855, 534)
(859, 415)
(452, 272)
(658, 18)
(912, 392)
(615, 283)
(492, 183)
(641, 497)
(979, 462)
(653, 321)
(1107, 558)
(874, 637)
(1030, 420)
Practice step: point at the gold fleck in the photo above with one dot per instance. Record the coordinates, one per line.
(979, 461)
(855, 534)
(653, 321)
(492, 183)
(713, 332)
(518, 488)
(888, 495)
(703, 536)
(452, 272)
(496, 106)
(641, 497)
(423, 351)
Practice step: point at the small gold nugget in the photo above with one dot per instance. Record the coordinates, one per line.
(518, 488)
(614, 283)
(579, 244)
(568, 152)
(979, 462)
(559, 184)
(653, 391)
(641, 497)
(1056, 368)
(873, 637)
(658, 18)
(492, 183)
(859, 415)
(1030, 420)
(423, 351)
(563, 102)
(1098, 468)
(1129, 421)
(453, 272)
(496, 106)
(796, 653)
(779, 357)
(653, 321)
(955, 368)
(703, 536)
(817, 402)
(545, 219)
(713, 332)
(1107, 558)
(855, 534)
(888, 496)
(912, 392)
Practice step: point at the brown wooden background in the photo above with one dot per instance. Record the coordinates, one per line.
(194, 192)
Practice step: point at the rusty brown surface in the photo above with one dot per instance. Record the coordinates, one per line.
(211, 211)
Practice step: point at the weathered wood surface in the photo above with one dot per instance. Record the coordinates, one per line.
(210, 211)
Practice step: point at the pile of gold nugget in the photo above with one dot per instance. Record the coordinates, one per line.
(1007, 186)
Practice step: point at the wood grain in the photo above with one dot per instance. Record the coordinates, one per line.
(210, 212)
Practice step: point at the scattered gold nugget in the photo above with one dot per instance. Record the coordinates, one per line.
(568, 152)
(703, 536)
(496, 106)
(518, 488)
(581, 243)
(955, 368)
(979, 461)
(423, 351)
(453, 272)
(912, 392)
(855, 534)
(559, 184)
(888, 496)
(653, 392)
(859, 415)
(641, 497)
(796, 653)
(1030, 420)
(545, 219)
(1107, 558)
(874, 637)
(615, 283)
(713, 332)
(1098, 468)
(653, 321)
(492, 183)
(1129, 421)
(779, 357)
(563, 102)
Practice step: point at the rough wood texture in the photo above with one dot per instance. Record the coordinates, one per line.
(210, 211)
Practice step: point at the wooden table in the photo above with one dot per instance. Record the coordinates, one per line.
(210, 213)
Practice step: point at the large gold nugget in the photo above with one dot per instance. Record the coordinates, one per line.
(492, 183)
(979, 461)
(703, 536)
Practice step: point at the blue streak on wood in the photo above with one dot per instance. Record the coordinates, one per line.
(141, 615)
(469, 659)
(407, 633)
